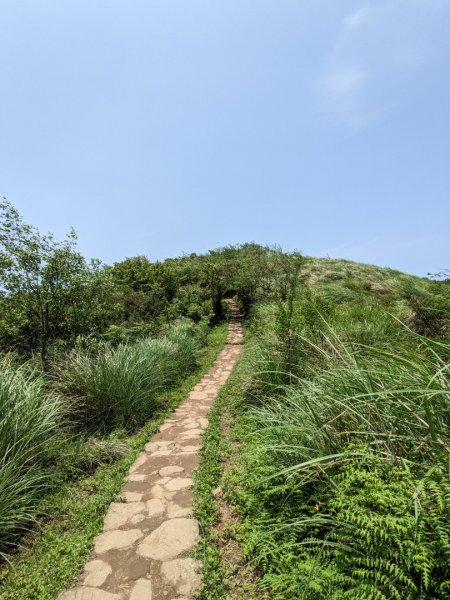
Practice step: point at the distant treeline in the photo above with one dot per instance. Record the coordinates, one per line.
(50, 295)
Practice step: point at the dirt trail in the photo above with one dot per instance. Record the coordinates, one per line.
(141, 553)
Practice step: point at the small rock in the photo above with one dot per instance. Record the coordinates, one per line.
(179, 483)
(165, 471)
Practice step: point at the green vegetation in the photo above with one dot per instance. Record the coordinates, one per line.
(88, 351)
(111, 388)
(340, 408)
(55, 551)
(29, 433)
(49, 294)
(208, 474)
(342, 414)
(119, 386)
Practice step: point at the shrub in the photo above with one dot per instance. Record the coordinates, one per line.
(370, 529)
(390, 529)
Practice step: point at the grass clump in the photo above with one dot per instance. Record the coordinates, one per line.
(351, 469)
(54, 430)
(120, 386)
(30, 420)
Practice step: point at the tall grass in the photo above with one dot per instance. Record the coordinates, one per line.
(397, 401)
(347, 491)
(30, 421)
(44, 435)
(120, 386)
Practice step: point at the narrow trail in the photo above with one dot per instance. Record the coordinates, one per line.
(140, 555)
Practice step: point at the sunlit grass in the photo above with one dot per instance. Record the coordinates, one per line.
(30, 421)
(120, 386)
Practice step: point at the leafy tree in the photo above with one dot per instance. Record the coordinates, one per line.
(47, 287)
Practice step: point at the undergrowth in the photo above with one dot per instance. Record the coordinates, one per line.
(215, 581)
(54, 552)
(119, 386)
(342, 413)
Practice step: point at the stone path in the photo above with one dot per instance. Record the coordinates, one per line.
(141, 553)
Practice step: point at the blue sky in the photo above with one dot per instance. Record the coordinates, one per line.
(171, 126)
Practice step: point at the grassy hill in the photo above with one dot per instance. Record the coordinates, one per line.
(337, 456)
(337, 421)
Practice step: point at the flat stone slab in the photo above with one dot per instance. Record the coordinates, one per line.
(114, 540)
(170, 539)
(142, 590)
(165, 471)
(96, 572)
(182, 574)
(132, 496)
(119, 513)
(155, 507)
(175, 511)
(180, 483)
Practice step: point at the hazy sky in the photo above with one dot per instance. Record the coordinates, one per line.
(171, 126)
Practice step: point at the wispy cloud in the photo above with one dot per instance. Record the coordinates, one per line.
(377, 48)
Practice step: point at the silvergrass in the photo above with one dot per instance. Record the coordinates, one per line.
(121, 386)
(30, 426)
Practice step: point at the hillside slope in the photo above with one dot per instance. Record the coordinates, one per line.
(337, 434)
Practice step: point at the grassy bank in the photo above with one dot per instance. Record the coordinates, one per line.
(55, 551)
(215, 451)
(341, 412)
(226, 573)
